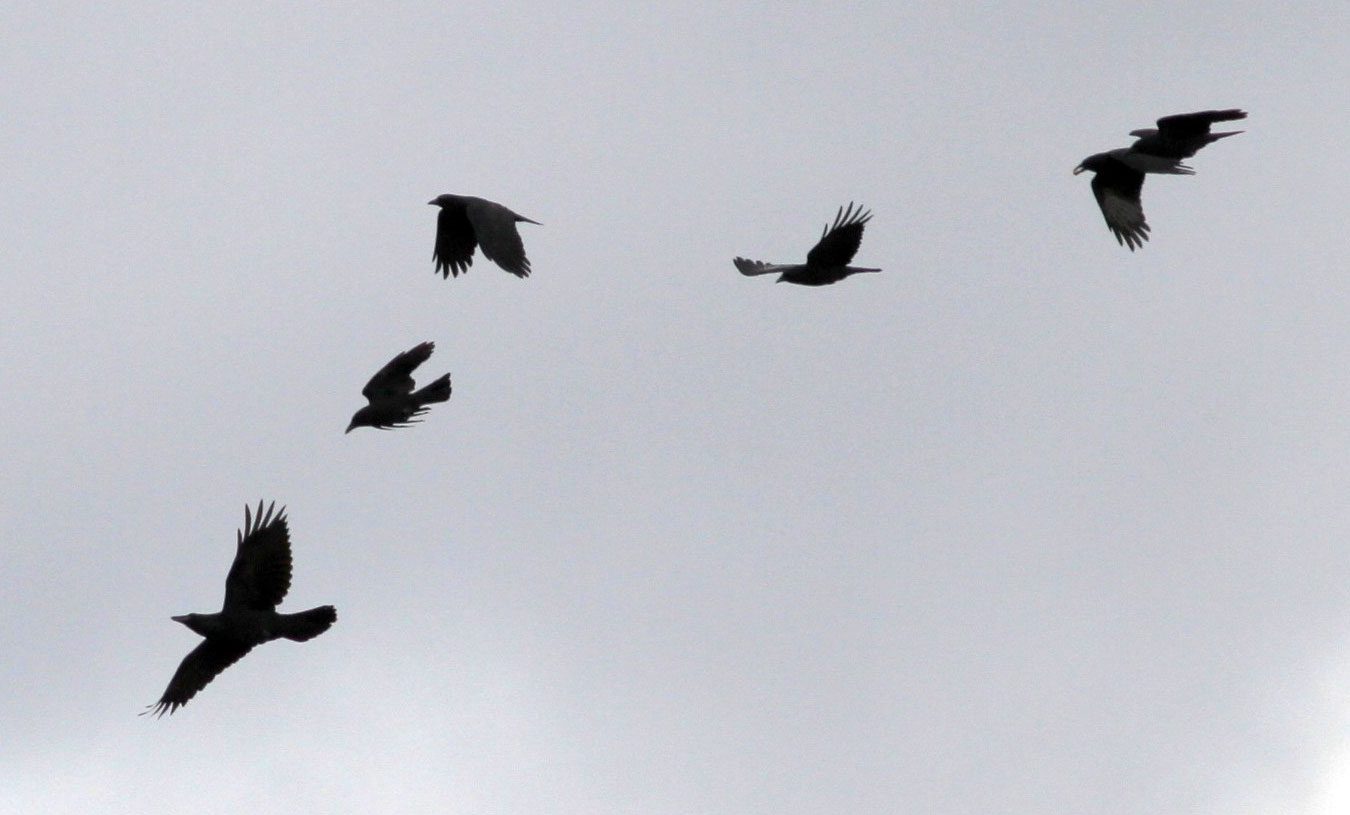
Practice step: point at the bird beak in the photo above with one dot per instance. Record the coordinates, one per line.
(181, 619)
(431, 202)
(349, 429)
(1080, 168)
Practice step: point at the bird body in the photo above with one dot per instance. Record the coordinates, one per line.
(466, 223)
(1149, 163)
(255, 626)
(257, 582)
(828, 260)
(393, 402)
(1118, 179)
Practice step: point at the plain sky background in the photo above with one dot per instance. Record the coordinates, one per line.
(1026, 524)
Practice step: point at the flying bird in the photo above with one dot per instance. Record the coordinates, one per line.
(257, 583)
(393, 402)
(466, 222)
(1118, 175)
(828, 260)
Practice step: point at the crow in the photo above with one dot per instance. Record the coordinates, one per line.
(828, 260)
(257, 583)
(393, 402)
(1118, 175)
(465, 222)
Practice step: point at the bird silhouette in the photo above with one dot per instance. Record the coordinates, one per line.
(828, 260)
(1118, 175)
(465, 222)
(393, 402)
(256, 584)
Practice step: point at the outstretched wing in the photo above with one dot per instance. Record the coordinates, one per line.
(1117, 188)
(839, 243)
(495, 226)
(750, 268)
(261, 573)
(455, 240)
(1178, 137)
(198, 668)
(395, 378)
(1190, 125)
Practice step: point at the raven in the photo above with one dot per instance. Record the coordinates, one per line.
(1118, 175)
(828, 260)
(393, 402)
(465, 222)
(257, 583)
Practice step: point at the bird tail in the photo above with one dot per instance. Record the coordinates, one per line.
(438, 391)
(307, 624)
(750, 268)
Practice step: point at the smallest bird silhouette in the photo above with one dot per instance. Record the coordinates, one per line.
(466, 222)
(256, 584)
(393, 402)
(1118, 175)
(828, 260)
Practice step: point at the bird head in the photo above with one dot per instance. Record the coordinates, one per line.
(360, 418)
(196, 622)
(1093, 162)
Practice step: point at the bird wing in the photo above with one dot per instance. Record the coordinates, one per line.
(750, 268)
(1117, 188)
(395, 378)
(455, 240)
(839, 243)
(198, 668)
(261, 573)
(1190, 125)
(495, 226)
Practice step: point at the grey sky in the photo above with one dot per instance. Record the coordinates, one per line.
(1024, 524)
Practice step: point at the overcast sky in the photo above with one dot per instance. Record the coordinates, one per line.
(1026, 524)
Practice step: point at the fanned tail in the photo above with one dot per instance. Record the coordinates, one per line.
(307, 625)
(438, 391)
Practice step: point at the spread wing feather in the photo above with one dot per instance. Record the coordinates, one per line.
(839, 243)
(1118, 190)
(395, 378)
(1190, 125)
(495, 227)
(261, 573)
(455, 240)
(198, 668)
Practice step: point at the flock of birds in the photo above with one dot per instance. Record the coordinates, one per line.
(260, 575)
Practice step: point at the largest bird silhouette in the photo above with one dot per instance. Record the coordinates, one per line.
(1118, 178)
(466, 222)
(828, 260)
(393, 402)
(257, 583)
